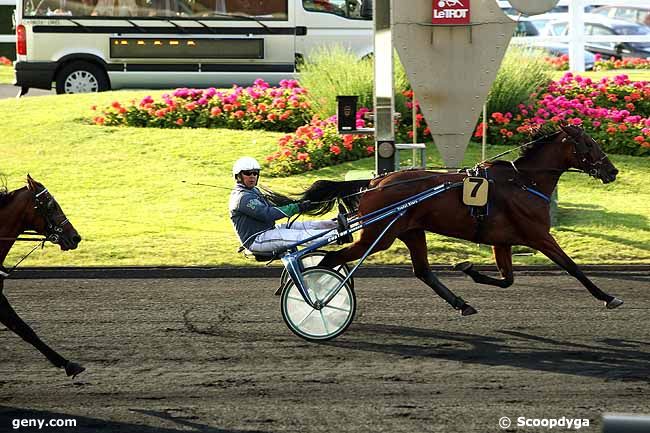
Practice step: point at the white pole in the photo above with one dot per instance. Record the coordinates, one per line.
(414, 112)
(577, 35)
(484, 138)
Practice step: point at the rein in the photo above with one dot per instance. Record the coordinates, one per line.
(4, 273)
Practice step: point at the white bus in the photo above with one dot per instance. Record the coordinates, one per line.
(96, 45)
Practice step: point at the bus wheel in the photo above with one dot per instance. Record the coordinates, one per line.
(81, 77)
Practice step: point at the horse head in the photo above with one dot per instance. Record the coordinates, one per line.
(586, 154)
(46, 218)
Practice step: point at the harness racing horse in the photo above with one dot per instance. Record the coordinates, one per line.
(33, 208)
(518, 210)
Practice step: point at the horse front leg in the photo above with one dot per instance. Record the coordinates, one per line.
(503, 258)
(415, 241)
(11, 320)
(550, 248)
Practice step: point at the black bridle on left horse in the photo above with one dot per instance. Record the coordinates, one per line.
(44, 205)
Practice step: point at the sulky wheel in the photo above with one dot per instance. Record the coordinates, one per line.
(312, 259)
(313, 324)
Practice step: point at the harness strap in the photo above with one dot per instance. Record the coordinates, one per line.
(537, 193)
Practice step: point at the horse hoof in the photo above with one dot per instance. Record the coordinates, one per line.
(614, 303)
(467, 310)
(463, 266)
(72, 369)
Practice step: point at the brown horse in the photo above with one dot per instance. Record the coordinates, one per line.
(518, 210)
(33, 208)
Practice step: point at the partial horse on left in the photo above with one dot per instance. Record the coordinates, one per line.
(32, 208)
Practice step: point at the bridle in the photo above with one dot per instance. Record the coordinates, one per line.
(582, 149)
(44, 203)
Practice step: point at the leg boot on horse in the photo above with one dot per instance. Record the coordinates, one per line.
(11, 320)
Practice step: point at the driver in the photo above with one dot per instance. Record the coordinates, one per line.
(254, 217)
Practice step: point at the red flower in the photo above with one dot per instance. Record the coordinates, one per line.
(479, 130)
(335, 149)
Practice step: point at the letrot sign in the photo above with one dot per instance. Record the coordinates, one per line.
(451, 12)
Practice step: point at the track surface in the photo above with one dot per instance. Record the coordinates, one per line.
(214, 356)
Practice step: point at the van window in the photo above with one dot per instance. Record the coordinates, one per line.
(218, 9)
(345, 8)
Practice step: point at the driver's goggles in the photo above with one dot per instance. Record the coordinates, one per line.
(250, 172)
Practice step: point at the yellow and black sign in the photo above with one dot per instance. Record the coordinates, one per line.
(475, 191)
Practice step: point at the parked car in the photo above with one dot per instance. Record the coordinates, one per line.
(558, 49)
(600, 25)
(524, 26)
(541, 20)
(561, 7)
(638, 14)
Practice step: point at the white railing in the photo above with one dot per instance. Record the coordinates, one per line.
(577, 38)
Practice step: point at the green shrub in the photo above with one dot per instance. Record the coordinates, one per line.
(334, 70)
(522, 72)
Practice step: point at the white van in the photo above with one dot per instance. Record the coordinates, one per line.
(98, 45)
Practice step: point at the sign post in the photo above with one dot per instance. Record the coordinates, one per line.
(383, 96)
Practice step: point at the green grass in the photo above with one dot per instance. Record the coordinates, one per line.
(6, 74)
(123, 190)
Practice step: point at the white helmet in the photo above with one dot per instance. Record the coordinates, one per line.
(245, 163)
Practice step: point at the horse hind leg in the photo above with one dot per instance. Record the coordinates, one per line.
(503, 258)
(549, 247)
(416, 243)
(12, 320)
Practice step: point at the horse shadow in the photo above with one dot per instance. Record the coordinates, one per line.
(609, 359)
(588, 213)
(11, 415)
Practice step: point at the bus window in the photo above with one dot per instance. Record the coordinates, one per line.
(345, 8)
(268, 8)
(275, 9)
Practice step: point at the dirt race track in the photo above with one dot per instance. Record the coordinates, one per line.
(214, 356)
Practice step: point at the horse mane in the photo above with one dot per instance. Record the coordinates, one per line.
(539, 137)
(4, 192)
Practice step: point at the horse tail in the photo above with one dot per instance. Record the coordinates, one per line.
(323, 193)
(275, 198)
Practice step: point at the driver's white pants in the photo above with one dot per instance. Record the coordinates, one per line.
(282, 237)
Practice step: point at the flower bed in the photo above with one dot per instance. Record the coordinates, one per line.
(283, 108)
(614, 111)
(318, 145)
(558, 63)
(612, 63)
